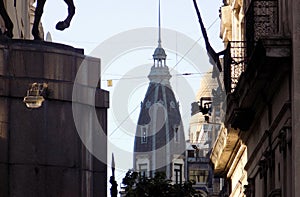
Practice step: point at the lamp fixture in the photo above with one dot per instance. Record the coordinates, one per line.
(204, 106)
(34, 98)
(195, 147)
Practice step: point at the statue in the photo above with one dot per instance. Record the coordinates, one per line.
(114, 184)
(61, 25)
(213, 56)
(8, 23)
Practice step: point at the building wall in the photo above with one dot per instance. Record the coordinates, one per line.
(159, 140)
(41, 153)
(261, 113)
(267, 163)
(202, 134)
(294, 18)
(237, 173)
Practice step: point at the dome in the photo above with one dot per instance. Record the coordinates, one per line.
(159, 53)
(207, 83)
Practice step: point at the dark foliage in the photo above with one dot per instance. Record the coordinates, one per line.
(157, 186)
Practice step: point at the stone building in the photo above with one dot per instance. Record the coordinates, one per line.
(41, 149)
(257, 150)
(159, 140)
(203, 130)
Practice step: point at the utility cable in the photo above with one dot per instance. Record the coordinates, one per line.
(126, 118)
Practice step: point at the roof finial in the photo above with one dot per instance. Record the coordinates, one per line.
(159, 27)
(113, 164)
(159, 53)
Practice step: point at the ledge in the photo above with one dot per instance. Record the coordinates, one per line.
(37, 45)
(24, 62)
(224, 150)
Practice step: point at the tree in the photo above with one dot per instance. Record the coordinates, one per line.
(139, 186)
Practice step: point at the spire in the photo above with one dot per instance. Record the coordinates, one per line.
(159, 26)
(159, 72)
(159, 55)
(113, 165)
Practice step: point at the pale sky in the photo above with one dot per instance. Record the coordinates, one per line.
(96, 22)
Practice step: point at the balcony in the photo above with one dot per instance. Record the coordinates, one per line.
(261, 21)
(234, 64)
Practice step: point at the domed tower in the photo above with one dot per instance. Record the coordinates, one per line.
(159, 140)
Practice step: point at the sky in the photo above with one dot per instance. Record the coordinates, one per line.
(123, 34)
(96, 21)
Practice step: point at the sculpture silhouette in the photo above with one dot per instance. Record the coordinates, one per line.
(61, 25)
(8, 23)
(213, 56)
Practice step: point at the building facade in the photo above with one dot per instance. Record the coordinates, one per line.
(159, 143)
(203, 130)
(256, 151)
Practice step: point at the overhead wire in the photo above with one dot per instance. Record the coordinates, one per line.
(193, 45)
(126, 118)
(177, 62)
(142, 77)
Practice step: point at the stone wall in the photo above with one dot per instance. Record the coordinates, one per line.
(41, 153)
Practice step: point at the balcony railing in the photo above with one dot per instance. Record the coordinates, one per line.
(261, 21)
(234, 64)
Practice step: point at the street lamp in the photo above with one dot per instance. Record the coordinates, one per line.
(195, 147)
(204, 106)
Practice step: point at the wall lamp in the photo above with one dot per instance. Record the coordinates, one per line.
(204, 106)
(195, 147)
(34, 98)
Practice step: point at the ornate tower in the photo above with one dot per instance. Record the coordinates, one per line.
(159, 140)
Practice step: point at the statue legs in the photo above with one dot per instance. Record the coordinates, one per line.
(71, 11)
(37, 18)
(8, 23)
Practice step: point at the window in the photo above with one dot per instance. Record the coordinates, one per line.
(178, 173)
(200, 176)
(191, 153)
(144, 134)
(143, 169)
(176, 133)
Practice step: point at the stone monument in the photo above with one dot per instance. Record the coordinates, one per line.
(41, 153)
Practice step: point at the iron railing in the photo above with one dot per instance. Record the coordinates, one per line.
(261, 21)
(234, 64)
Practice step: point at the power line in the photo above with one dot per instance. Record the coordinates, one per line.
(123, 120)
(142, 77)
(170, 70)
(194, 44)
(187, 52)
